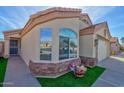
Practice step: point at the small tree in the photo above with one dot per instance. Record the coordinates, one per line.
(122, 43)
(72, 44)
(122, 40)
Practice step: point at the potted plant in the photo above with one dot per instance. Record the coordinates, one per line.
(80, 71)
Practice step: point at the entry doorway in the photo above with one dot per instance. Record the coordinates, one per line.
(14, 47)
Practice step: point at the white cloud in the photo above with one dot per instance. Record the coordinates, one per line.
(7, 22)
(97, 12)
(20, 15)
(1, 35)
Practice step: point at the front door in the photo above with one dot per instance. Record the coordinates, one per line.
(13, 47)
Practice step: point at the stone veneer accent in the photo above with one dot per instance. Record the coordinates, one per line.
(51, 69)
(1, 48)
(88, 61)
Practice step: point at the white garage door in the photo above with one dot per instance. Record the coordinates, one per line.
(102, 50)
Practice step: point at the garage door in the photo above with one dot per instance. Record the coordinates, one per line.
(102, 50)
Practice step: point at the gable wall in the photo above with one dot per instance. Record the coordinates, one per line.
(86, 46)
(83, 24)
(101, 31)
(30, 49)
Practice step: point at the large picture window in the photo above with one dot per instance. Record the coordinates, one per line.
(67, 44)
(45, 43)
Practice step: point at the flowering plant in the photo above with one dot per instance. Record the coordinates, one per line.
(80, 71)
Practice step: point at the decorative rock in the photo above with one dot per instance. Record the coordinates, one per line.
(88, 62)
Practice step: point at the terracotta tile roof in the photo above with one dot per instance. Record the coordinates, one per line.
(85, 16)
(114, 40)
(47, 15)
(60, 9)
(93, 28)
(9, 32)
(50, 14)
(57, 12)
(87, 31)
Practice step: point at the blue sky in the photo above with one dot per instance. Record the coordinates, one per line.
(46, 34)
(16, 17)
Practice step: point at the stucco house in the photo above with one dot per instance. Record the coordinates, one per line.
(56, 37)
(94, 43)
(115, 45)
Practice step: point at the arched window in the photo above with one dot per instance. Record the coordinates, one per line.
(67, 43)
(45, 43)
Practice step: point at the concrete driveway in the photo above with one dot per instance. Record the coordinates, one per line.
(114, 73)
(18, 74)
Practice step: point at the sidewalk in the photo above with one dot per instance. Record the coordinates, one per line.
(18, 75)
(114, 74)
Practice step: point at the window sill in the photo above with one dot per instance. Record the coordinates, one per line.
(59, 61)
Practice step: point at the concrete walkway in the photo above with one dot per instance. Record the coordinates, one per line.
(114, 74)
(18, 75)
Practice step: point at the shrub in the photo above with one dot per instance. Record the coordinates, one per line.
(122, 53)
(113, 52)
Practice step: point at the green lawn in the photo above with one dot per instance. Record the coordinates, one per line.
(69, 80)
(3, 64)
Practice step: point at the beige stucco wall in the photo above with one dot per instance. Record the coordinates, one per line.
(6, 48)
(29, 46)
(82, 24)
(30, 43)
(7, 40)
(94, 47)
(86, 45)
(103, 45)
(101, 33)
(88, 48)
(108, 49)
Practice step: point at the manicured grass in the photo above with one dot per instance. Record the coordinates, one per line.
(3, 64)
(69, 80)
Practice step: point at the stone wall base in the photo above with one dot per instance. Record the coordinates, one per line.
(51, 69)
(1, 48)
(88, 61)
